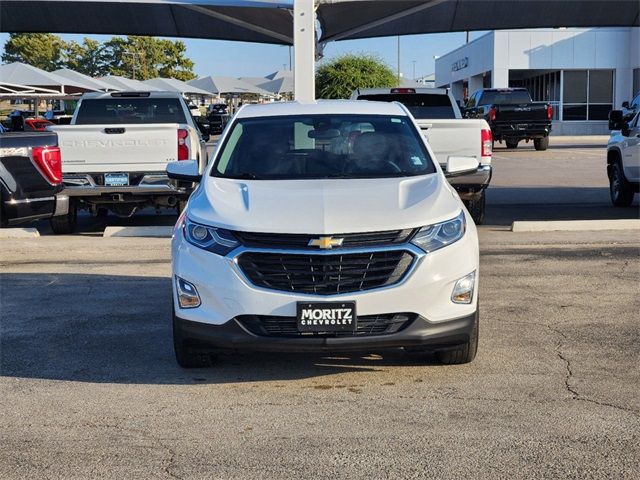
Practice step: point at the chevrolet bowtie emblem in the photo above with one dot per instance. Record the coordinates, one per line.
(326, 242)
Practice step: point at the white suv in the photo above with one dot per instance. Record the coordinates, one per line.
(324, 226)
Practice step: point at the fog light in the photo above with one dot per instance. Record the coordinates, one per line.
(463, 290)
(187, 294)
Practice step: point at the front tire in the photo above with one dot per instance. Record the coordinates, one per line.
(189, 356)
(65, 224)
(464, 353)
(541, 143)
(476, 208)
(513, 144)
(620, 190)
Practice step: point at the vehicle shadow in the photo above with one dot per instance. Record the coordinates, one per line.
(117, 329)
(508, 204)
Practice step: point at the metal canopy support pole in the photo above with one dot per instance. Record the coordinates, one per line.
(304, 42)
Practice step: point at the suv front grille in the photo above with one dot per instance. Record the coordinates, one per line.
(325, 274)
(350, 240)
(271, 326)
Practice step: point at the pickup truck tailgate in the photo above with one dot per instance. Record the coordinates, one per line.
(525, 113)
(117, 148)
(455, 137)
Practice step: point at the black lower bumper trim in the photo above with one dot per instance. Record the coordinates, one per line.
(420, 333)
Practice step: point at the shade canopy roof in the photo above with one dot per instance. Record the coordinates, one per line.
(279, 85)
(350, 19)
(83, 79)
(270, 21)
(121, 83)
(174, 85)
(22, 74)
(262, 21)
(220, 85)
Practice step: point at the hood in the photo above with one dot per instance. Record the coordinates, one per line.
(323, 206)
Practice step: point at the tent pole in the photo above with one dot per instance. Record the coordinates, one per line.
(304, 42)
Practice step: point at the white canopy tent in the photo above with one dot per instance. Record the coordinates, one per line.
(126, 84)
(22, 81)
(220, 85)
(22, 74)
(95, 84)
(174, 85)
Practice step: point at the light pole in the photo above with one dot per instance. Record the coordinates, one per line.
(134, 55)
(398, 59)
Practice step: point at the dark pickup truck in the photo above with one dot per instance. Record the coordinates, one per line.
(30, 178)
(512, 115)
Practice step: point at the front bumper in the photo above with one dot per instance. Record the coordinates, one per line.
(421, 333)
(425, 290)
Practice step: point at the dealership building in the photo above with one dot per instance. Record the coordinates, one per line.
(582, 72)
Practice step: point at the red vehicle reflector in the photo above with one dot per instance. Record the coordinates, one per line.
(486, 142)
(493, 113)
(49, 160)
(549, 112)
(403, 90)
(183, 149)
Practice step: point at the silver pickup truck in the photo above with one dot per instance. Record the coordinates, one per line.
(115, 152)
(449, 135)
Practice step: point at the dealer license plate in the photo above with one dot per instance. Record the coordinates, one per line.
(116, 179)
(326, 316)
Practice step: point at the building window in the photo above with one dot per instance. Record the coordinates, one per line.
(588, 94)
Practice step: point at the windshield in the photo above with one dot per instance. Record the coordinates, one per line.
(130, 110)
(505, 97)
(323, 146)
(421, 105)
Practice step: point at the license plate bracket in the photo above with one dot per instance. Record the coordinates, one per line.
(326, 316)
(116, 179)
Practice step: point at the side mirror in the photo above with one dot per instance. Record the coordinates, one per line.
(625, 130)
(461, 165)
(616, 120)
(625, 104)
(184, 170)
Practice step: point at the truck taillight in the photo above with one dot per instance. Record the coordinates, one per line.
(493, 113)
(183, 148)
(549, 112)
(49, 160)
(486, 139)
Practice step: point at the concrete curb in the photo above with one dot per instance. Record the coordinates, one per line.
(19, 232)
(575, 225)
(158, 232)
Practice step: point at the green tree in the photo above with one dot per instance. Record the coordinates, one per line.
(339, 77)
(42, 50)
(89, 57)
(148, 57)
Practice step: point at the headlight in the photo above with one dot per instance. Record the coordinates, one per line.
(433, 237)
(216, 240)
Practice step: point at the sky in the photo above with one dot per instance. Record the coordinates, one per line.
(242, 59)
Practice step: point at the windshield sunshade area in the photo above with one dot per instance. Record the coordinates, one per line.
(323, 146)
(130, 111)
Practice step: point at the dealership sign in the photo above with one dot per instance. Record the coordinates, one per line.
(460, 64)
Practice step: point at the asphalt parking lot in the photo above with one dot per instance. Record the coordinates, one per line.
(89, 387)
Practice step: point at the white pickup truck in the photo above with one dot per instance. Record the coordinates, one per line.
(115, 152)
(449, 135)
(623, 158)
